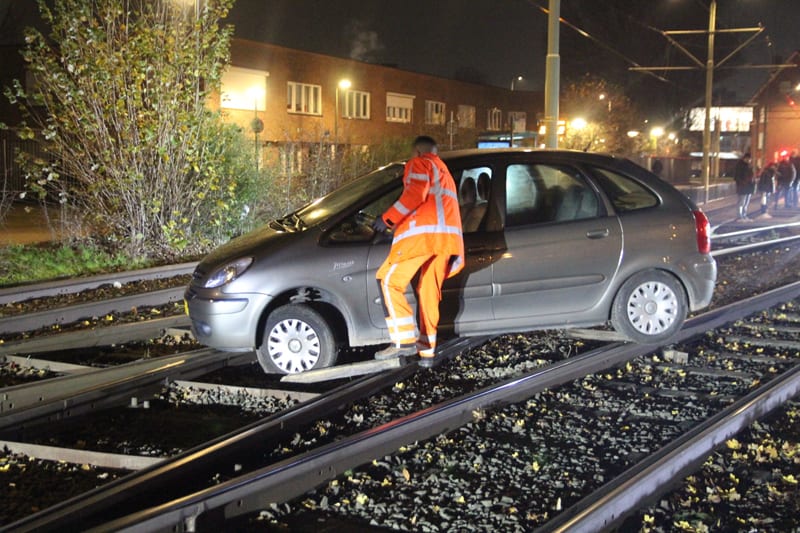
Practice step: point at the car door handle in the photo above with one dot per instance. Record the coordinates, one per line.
(478, 250)
(597, 233)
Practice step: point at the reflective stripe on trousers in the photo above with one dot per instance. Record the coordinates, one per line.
(393, 279)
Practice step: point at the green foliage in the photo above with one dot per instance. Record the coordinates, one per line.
(608, 118)
(21, 264)
(297, 172)
(123, 85)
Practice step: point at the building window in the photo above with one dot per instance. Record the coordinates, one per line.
(399, 107)
(518, 120)
(243, 88)
(434, 113)
(494, 119)
(466, 116)
(356, 104)
(303, 98)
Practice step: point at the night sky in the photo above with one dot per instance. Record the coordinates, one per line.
(495, 40)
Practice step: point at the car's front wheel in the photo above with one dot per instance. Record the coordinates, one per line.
(296, 338)
(650, 307)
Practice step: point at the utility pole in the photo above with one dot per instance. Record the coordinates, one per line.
(712, 28)
(552, 75)
(710, 66)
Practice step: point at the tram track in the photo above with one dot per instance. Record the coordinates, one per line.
(295, 475)
(753, 246)
(73, 285)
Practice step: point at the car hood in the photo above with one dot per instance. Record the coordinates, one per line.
(251, 244)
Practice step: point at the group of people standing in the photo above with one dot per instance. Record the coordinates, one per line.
(775, 181)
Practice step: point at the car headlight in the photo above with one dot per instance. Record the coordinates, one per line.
(228, 273)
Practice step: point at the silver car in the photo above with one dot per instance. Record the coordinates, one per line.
(553, 239)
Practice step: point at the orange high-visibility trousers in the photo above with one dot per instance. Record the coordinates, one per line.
(393, 278)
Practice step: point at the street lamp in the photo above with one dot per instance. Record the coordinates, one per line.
(656, 133)
(343, 85)
(257, 125)
(514, 80)
(578, 123)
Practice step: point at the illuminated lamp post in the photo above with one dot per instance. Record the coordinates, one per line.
(257, 125)
(343, 85)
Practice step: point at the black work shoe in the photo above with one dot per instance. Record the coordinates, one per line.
(396, 351)
(427, 362)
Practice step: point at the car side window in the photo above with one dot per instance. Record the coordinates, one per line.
(537, 194)
(626, 194)
(474, 191)
(358, 226)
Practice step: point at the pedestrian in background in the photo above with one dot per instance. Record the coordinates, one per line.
(658, 167)
(766, 186)
(745, 184)
(427, 239)
(795, 162)
(787, 175)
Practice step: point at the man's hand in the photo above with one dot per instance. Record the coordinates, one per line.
(379, 225)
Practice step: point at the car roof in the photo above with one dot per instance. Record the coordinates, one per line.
(573, 155)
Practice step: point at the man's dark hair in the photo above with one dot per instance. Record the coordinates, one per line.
(426, 141)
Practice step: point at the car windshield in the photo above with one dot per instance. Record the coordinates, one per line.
(341, 198)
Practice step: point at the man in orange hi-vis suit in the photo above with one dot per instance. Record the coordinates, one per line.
(427, 238)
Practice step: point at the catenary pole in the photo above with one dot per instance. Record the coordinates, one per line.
(552, 75)
(712, 26)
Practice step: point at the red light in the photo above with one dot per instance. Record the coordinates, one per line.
(784, 153)
(703, 230)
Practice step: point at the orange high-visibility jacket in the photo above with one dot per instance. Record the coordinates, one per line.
(426, 218)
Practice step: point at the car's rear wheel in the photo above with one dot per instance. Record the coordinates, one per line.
(650, 307)
(296, 338)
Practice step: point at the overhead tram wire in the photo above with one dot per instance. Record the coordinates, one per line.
(765, 33)
(599, 42)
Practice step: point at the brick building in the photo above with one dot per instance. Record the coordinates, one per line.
(776, 114)
(294, 93)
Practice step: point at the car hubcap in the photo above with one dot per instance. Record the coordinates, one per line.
(652, 308)
(293, 346)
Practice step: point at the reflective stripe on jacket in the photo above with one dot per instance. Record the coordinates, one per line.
(426, 218)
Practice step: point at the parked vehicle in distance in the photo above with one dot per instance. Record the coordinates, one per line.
(553, 239)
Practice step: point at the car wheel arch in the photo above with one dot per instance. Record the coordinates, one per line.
(324, 302)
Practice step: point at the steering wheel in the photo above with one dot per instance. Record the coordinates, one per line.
(365, 219)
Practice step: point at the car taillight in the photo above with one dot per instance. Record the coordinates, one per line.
(703, 230)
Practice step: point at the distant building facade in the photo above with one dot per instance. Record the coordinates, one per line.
(304, 100)
(295, 95)
(776, 115)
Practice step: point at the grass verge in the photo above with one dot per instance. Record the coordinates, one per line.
(31, 263)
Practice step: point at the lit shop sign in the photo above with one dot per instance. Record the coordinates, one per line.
(732, 119)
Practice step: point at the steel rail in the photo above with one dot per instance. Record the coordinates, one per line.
(66, 314)
(752, 246)
(292, 477)
(99, 336)
(31, 404)
(653, 476)
(194, 468)
(70, 286)
(759, 229)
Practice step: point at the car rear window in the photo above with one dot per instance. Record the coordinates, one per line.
(625, 193)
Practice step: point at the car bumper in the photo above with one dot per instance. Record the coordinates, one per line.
(228, 323)
(700, 277)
